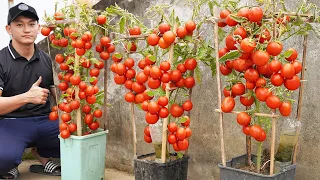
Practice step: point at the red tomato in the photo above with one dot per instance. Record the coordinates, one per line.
(255, 14)
(65, 117)
(65, 134)
(262, 93)
(183, 145)
(243, 119)
(101, 19)
(187, 105)
(262, 136)
(94, 126)
(147, 139)
(163, 112)
(293, 83)
(297, 66)
(135, 30)
(225, 70)
(153, 107)
(222, 52)
(238, 89)
(176, 110)
(181, 133)
(152, 118)
(190, 64)
(255, 131)
(189, 82)
(276, 79)
(240, 31)
(275, 65)
(243, 12)
(53, 116)
(287, 71)
(247, 45)
(230, 21)
(190, 26)
(261, 82)
(163, 100)
(227, 104)
(294, 54)
(153, 39)
(97, 113)
(273, 102)
(285, 108)
(230, 42)
(172, 127)
(224, 13)
(260, 58)
(164, 27)
(172, 139)
(251, 75)
(181, 32)
(147, 131)
(246, 101)
(274, 48)
(246, 130)
(250, 85)
(72, 127)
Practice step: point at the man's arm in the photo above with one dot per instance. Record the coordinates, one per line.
(35, 95)
(53, 92)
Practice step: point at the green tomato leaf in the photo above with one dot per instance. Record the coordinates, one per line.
(230, 56)
(70, 60)
(122, 23)
(92, 79)
(238, 19)
(150, 93)
(94, 60)
(118, 55)
(153, 58)
(288, 53)
(183, 119)
(180, 155)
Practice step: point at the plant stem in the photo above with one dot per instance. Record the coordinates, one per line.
(259, 152)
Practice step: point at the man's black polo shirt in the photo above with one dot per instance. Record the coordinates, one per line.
(17, 75)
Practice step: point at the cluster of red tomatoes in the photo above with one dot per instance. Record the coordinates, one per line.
(260, 69)
(164, 36)
(69, 80)
(152, 76)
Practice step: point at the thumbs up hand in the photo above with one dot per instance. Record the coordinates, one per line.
(36, 94)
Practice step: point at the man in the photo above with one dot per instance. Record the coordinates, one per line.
(26, 81)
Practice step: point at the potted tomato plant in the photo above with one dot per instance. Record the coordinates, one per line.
(157, 84)
(82, 141)
(263, 76)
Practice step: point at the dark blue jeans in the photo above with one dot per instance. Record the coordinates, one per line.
(17, 134)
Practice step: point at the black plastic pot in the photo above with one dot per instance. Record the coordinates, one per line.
(231, 172)
(151, 170)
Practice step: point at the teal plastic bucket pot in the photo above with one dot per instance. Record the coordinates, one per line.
(83, 157)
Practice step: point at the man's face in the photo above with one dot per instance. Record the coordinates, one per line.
(24, 30)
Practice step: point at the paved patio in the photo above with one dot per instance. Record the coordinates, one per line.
(110, 174)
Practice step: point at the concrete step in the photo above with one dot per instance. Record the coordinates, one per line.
(110, 174)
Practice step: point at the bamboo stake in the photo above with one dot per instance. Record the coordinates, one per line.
(273, 139)
(105, 121)
(273, 127)
(216, 45)
(248, 145)
(165, 121)
(134, 131)
(77, 72)
(304, 58)
(256, 114)
(78, 117)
